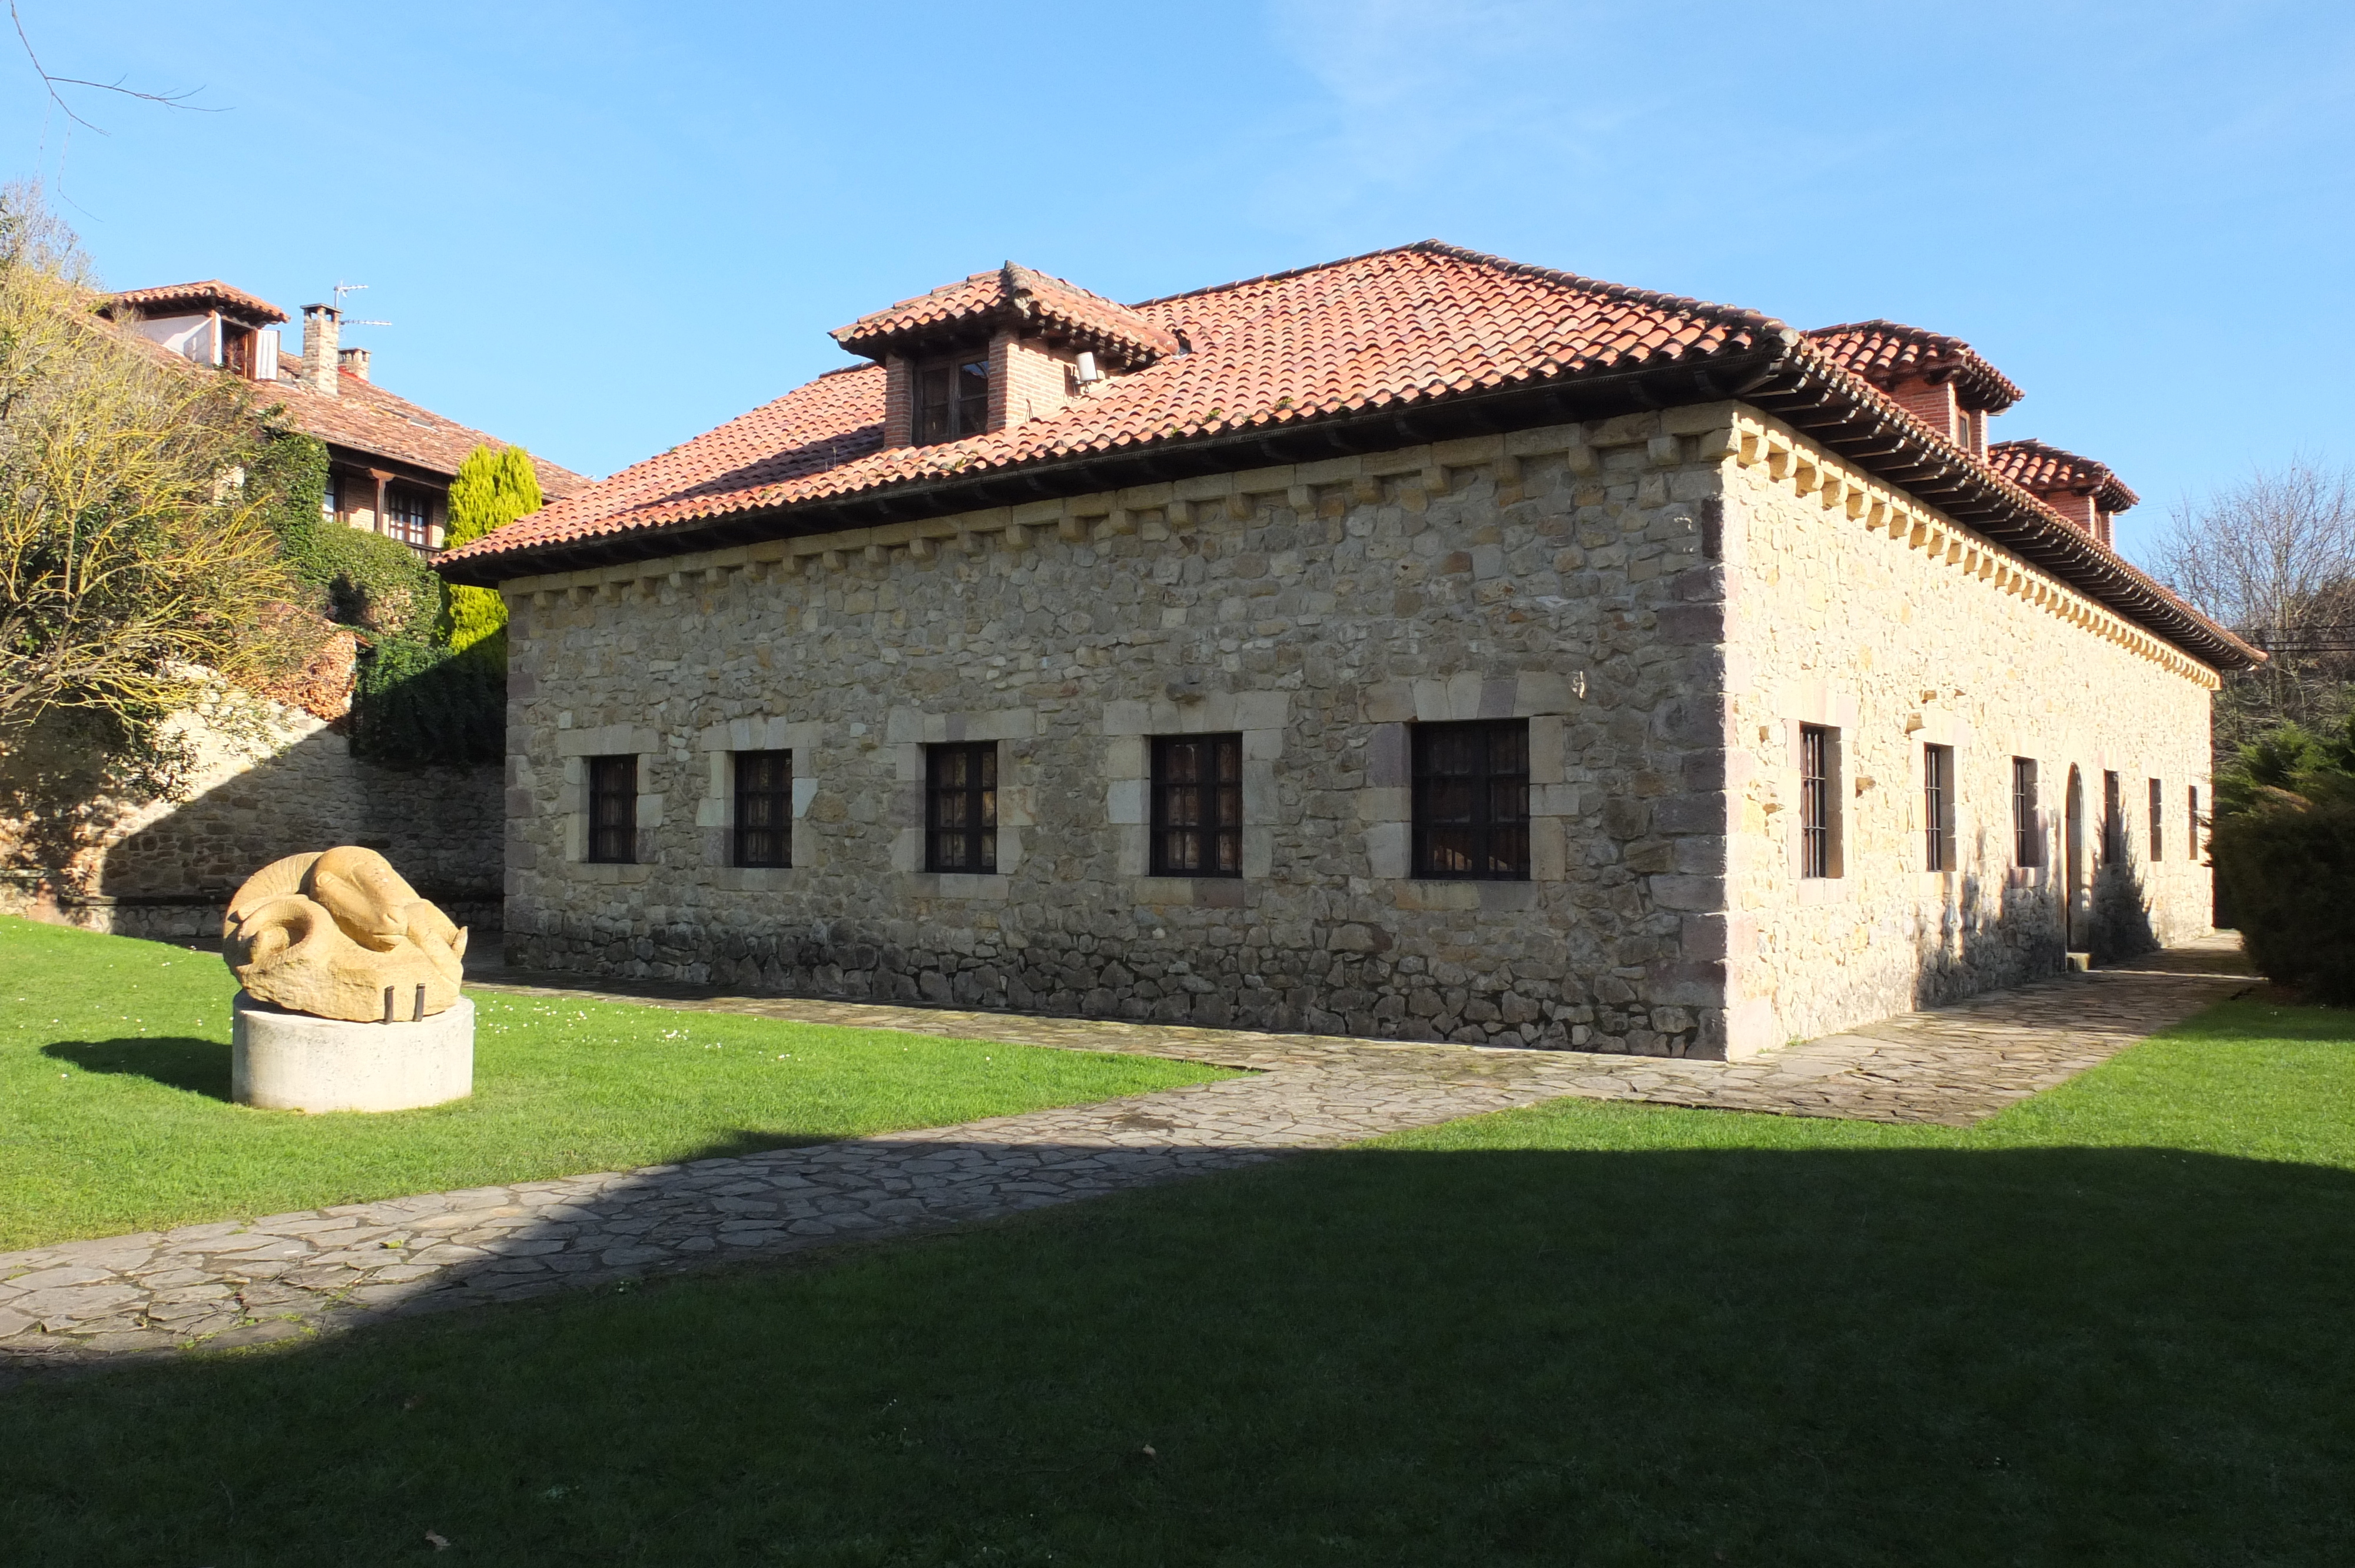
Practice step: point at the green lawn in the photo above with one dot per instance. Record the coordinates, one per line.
(114, 1112)
(2111, 1326)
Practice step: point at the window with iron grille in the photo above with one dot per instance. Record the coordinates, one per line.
(2026, 833)
(764, 808)
(2114, 822)
(408, 517)
(960, 806)
(951, 400)
(1938, 807)
(1198, 805)
(1815, 801)
(1472, 800)
(612, 808)
(2157, 815)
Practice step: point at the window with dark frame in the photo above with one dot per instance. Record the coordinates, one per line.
(2191, 822)
(952, 399)
(764, 808)
(614, 809)
(960, 806)
(1938, 807)
(2026, 833)
(2114, 822)
(1198, 805)
(1814, 801)
(408, 517)
(2158, 816)
(1472, 800)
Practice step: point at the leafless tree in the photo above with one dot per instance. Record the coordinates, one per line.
(135, 567)
(2273, 556)
(51, 83)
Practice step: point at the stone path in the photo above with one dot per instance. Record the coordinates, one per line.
(241, 1282)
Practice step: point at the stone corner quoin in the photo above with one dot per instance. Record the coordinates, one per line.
(1665, 599)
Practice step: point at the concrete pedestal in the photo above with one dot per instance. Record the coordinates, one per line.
(291, 1061)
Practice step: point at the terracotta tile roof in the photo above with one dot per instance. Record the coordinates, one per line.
(1393, 348)
(367, 418)
(2043, 469)
(1885, 352)
(1036, 303)
(1393, 328)
(212, 294)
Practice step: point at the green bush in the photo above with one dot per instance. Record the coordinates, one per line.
(2284, 850)
(2287, 865)
(419, 701)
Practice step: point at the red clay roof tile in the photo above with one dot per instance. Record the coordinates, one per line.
(1417, 323)
(1392, 330)
(1018, 296)
(2042, 470)
(367, 418)
(1885, 352)
(212, 294)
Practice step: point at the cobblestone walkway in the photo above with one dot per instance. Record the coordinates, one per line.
(241, 1282)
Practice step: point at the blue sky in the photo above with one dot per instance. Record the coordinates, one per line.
(599, 230)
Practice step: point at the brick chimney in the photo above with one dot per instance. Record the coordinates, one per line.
(322, 325)
(354, 360)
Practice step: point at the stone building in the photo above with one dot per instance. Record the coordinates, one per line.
(1422, 646)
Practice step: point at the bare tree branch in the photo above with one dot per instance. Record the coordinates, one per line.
(50, 83)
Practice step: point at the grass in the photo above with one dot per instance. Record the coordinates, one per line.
(2106, 1327)
(114, 1112)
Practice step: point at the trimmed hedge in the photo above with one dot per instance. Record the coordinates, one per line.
(2287, 866)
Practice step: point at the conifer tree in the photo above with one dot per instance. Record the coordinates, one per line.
(493, 488)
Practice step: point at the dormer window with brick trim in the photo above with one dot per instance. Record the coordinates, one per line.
(952, 399)
(1939, 380)
(2082, 491)
(998, 349)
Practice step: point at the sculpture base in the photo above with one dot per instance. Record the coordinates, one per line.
(291, 1061)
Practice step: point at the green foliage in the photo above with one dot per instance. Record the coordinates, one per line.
(418, 703)
(2283, 848)
(491, 490)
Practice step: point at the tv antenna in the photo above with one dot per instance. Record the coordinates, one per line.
(342, 289)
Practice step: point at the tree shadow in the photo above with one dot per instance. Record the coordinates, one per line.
(1710, 1353)
(175, 1061)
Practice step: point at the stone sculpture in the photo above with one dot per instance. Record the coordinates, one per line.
(341, 935)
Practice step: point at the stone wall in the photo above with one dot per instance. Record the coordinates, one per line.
(281, 782)
(1852, 606)
(1318, 609)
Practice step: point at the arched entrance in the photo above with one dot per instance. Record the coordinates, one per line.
(2075, 921)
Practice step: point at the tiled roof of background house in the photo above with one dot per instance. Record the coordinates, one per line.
(1885, 352)
(365, 418)
(2040, 469)
(1427, 340)
(1015, 295)
(211, 294)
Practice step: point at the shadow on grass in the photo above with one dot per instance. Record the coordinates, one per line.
(175, 1061)
(1818, 1355)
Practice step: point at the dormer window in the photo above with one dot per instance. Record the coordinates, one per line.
(996, 350)
(952, 399)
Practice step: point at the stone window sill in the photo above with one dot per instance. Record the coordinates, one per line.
(1452, 892)
(1825, 890)
(1201, 891)
(756, 878)
(614, 870)
(991, 886)
(2027, 877)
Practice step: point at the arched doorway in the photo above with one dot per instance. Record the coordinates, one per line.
(2075, 923)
